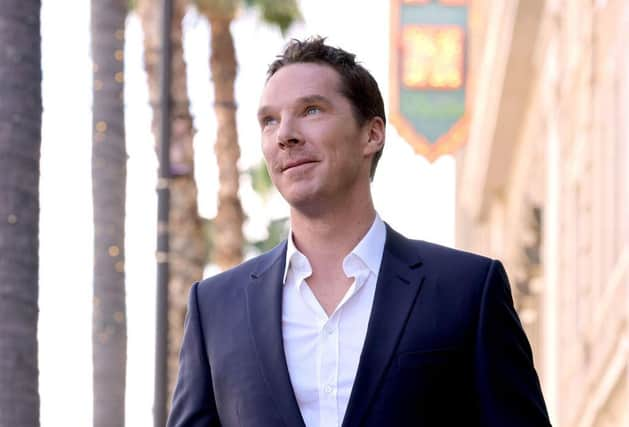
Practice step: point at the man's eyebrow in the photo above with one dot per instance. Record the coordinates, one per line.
(263, 111)
(313, 99)
(308, 99)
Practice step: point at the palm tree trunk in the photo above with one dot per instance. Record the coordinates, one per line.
(20, 141)
(228, 235)
(188, 246)
(109, 172)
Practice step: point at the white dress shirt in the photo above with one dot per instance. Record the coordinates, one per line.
(322, 352)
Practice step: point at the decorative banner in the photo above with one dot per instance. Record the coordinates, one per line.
(428, 74)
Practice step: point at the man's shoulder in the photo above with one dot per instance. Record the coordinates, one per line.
(444, 260)
(434, 251)
(430, 251)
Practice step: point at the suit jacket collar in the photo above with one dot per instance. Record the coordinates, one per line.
(264, 308)
(398, 285)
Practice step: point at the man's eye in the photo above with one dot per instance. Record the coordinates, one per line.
(267, 121)
(312, 110)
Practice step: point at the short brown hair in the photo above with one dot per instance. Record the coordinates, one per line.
(357, 84)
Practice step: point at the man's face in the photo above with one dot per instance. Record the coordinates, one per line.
(313, 146)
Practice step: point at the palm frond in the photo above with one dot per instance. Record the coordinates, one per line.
(282, 13)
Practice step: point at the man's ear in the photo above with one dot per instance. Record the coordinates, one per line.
(375, 135)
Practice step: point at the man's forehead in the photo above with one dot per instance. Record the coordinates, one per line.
(304, 68)
(295, 82)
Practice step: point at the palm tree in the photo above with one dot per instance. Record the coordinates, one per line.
(228, 239)
(188, 246)
(20, 142)
(109, 172)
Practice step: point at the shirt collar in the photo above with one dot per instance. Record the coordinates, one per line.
(369, 250)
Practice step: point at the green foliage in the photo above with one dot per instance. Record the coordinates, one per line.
(282, 13)
(278, 231)
(260, 179)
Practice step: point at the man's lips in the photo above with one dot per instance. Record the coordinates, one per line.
(296, 163)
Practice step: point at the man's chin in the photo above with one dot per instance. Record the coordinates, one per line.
(298, 200)
(306, 202)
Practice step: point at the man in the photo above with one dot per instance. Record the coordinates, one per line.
(348, 322)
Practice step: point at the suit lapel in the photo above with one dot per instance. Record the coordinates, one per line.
(399, 282)
(264, 307)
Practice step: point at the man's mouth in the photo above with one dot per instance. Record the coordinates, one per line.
(297, 163)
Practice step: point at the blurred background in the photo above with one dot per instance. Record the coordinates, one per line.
(521, 154)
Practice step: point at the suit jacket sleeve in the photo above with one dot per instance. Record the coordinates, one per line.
(193, 400)
(508, 388)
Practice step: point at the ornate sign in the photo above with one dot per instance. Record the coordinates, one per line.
(428, 74)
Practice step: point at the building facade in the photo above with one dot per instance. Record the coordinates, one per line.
(543, 184)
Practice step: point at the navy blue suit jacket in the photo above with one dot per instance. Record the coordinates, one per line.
(444, 347)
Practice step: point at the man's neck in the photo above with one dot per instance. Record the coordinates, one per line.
(326, 239)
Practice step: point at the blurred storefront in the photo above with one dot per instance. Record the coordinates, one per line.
(543, 184)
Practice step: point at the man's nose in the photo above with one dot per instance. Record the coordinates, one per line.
(288, 134)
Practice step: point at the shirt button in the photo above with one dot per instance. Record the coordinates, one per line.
(328, 389)
(329, 330)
